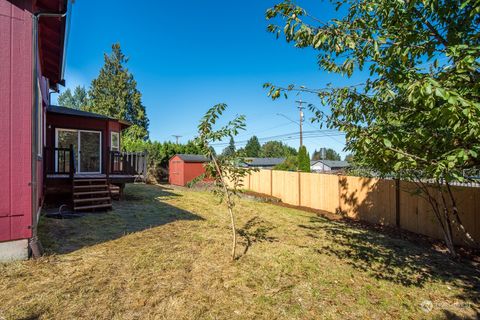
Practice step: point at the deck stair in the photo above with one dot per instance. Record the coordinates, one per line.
(114, 192)
(91, 195)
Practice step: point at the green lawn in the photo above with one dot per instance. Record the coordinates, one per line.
(164, 254)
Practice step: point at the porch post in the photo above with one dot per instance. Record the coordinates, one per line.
(72, 162)
(108, 164)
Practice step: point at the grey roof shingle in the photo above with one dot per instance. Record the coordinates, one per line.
(192, 158)
(75, 112)
(263, 162)
(85, 114)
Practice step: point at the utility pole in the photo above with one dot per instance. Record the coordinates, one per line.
(300, 108)
(176, 137)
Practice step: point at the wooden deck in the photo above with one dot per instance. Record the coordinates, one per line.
(119, 168)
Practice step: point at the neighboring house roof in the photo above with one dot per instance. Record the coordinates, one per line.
(192, 158)
(331, 163)
(81, 113)
(263, 162)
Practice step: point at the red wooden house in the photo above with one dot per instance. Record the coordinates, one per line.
(183, 168)
(46, 148)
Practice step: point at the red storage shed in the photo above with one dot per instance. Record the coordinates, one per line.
(183, 168)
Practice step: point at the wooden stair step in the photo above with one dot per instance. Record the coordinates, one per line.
(86, 193)
(92, 199)
(115, 191)
(91, 186)
(83, 181)
(96, 206)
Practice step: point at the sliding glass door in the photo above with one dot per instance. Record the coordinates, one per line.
(87, 148)
(90, 153)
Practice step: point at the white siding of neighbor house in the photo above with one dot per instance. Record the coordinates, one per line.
(320, 167)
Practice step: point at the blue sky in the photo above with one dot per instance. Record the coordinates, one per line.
(189, 55)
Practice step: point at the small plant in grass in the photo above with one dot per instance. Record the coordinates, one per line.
(224, 170)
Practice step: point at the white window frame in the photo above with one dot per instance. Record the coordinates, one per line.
(112, 147)
(78, 171)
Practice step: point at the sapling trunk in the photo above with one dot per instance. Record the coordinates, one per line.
(441, 213)
(457, 216)
(234, 233)
(229, 205)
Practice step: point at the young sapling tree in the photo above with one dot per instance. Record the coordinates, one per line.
(225, 170)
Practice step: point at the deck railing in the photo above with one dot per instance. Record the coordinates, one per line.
(128, 163)
(59, 160)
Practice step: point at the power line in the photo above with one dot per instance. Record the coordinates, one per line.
(290, 136)
(257, 132)
(293, 138)
(286, 135)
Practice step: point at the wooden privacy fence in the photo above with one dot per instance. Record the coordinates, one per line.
(386, 202)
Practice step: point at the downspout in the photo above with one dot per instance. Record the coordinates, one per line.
(34, 244)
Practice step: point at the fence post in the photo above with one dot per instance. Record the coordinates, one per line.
(271, 182)
(339, 185)
(397, 203)
(299, 189)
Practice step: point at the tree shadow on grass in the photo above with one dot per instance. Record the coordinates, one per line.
(255, 230)
(143, 208)
(395, 260)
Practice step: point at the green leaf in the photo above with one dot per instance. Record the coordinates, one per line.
(440, 92)
(387, 143)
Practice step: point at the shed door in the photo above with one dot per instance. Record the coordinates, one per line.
(176, 173)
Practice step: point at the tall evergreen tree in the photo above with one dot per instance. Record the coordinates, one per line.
(114, 93)
(78, 100)
(253, 148)
(230, 150)
(303, 160)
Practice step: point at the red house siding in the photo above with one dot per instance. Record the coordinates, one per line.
(16, 87)
(181, 172)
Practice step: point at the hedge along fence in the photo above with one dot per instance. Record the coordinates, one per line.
(385, 202)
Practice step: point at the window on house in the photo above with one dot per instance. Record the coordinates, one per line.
(115, 141)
